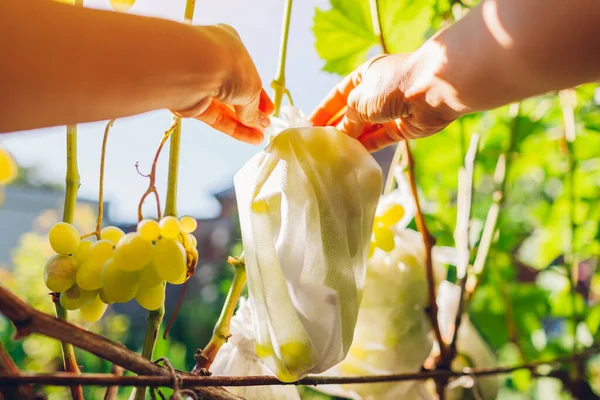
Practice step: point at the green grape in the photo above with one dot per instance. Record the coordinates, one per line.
(75, 297)
(133, 252)
(89, 276)
(64, 238)
(112, 234)
(119, 286)
(84, 250)
(170, 261)
(193, 240)
(188, 224)
(149, 276)
(392, 215)
(101, 252)
(149, 229)
(151, 297)
(384, 238)
(60, 272)
(94, 310)
(102, 297)
(169, 227)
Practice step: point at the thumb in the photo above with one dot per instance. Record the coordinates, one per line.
(250, 114)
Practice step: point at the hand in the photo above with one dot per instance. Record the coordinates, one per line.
(240, 107)
(388, 99)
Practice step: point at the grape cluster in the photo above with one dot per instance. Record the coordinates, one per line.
(120, 267)
(383, 236)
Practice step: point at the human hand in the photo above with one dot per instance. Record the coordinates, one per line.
(240, 107)
(388, 99)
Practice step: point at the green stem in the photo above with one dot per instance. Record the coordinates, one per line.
(571, 260)
(491, 221)
(221, 331)
(155, 317)
(72, 186)
(152, 327)
(171, 205)
(278, 84)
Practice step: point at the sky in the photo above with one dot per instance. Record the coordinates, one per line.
(209, 159)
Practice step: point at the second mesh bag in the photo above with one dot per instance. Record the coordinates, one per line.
(306, 206)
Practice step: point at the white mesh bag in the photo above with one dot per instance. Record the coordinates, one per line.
(238, 357)
(306, 206)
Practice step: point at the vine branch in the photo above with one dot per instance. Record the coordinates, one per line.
(28, 320)
(491, 220)
(9, 368)
(278, 84)
(72, 186)
(152, 175)
(64, 379)
(221, 332)
(465, 198)
(96, 233)
(428, 242)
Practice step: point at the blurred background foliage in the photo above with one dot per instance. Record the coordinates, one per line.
(538, 298)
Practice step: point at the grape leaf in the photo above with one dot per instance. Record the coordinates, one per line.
(343, 39)
(345, 35)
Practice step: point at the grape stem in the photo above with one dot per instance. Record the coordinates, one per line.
(278, 84)
(155, 317)
(96, 233)
(152, 175)
(72, 185)
(221, 332)
(171, 204)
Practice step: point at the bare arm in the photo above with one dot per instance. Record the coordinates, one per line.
(502, 51)
(64, 64)
(507, 50)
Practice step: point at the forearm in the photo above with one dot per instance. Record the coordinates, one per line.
(63, 65)
(507, 50)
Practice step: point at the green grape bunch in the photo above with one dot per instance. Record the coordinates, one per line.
(117, 267)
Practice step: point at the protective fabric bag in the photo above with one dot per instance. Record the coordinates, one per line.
(306, 206)
(393, 331)
(238, 357)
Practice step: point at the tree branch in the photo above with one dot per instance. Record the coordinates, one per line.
(28, 320)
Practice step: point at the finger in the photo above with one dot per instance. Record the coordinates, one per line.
(250, 115)
(388, 134)
(222, 118)
(266, 105)
(350, 124)
(335, 100)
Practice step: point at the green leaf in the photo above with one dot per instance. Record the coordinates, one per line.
(404, 23)
(561, 304)
(593, 319)
(345, 35)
